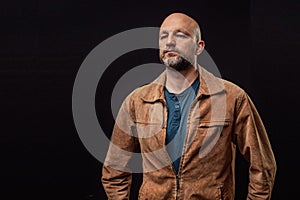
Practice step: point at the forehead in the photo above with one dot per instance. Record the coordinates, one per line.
(178, 23)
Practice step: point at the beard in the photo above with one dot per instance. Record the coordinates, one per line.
(178, 63)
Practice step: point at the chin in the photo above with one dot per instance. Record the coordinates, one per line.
(177, 63)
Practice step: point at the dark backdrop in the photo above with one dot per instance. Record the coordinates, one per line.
(43, 43)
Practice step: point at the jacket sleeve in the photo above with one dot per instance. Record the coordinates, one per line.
(254, 145)
(116, 173)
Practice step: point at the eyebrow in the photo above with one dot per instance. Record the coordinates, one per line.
(176, 31)
(163, 32)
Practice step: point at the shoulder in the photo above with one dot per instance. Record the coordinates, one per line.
(232, 88)
(147, 92)
(150, 91)
(235, 93)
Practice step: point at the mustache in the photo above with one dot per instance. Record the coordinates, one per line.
(168, 50)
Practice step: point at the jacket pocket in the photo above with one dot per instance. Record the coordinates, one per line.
(209, 134)
(222, 193)
(210, 124)
(148, 129)
(141, 195)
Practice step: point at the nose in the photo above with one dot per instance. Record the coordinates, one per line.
(170, 41)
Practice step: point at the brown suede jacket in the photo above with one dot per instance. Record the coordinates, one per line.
(221, 118)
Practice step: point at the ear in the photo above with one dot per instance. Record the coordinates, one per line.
(200, 47)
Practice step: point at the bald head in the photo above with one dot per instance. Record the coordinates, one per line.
(183, 21)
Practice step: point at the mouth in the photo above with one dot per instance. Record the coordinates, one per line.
(170, 53)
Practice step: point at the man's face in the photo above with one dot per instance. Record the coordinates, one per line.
(177, 43)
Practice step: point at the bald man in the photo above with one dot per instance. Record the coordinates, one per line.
(187, 124)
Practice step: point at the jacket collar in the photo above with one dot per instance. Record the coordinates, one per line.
(209, 85)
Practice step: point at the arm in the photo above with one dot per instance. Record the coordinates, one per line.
(116, 175)
(255, 146)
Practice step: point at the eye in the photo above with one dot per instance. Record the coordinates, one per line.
(181, 35)
(163, 37)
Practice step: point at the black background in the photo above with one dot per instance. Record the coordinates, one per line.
(43, 43)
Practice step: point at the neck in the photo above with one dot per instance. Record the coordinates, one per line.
(178, 81)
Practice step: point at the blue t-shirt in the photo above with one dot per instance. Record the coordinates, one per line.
(178, 109)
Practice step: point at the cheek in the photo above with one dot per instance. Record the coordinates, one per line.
(161, 44)
(187, 50)
(191, 49)
(160, 52)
